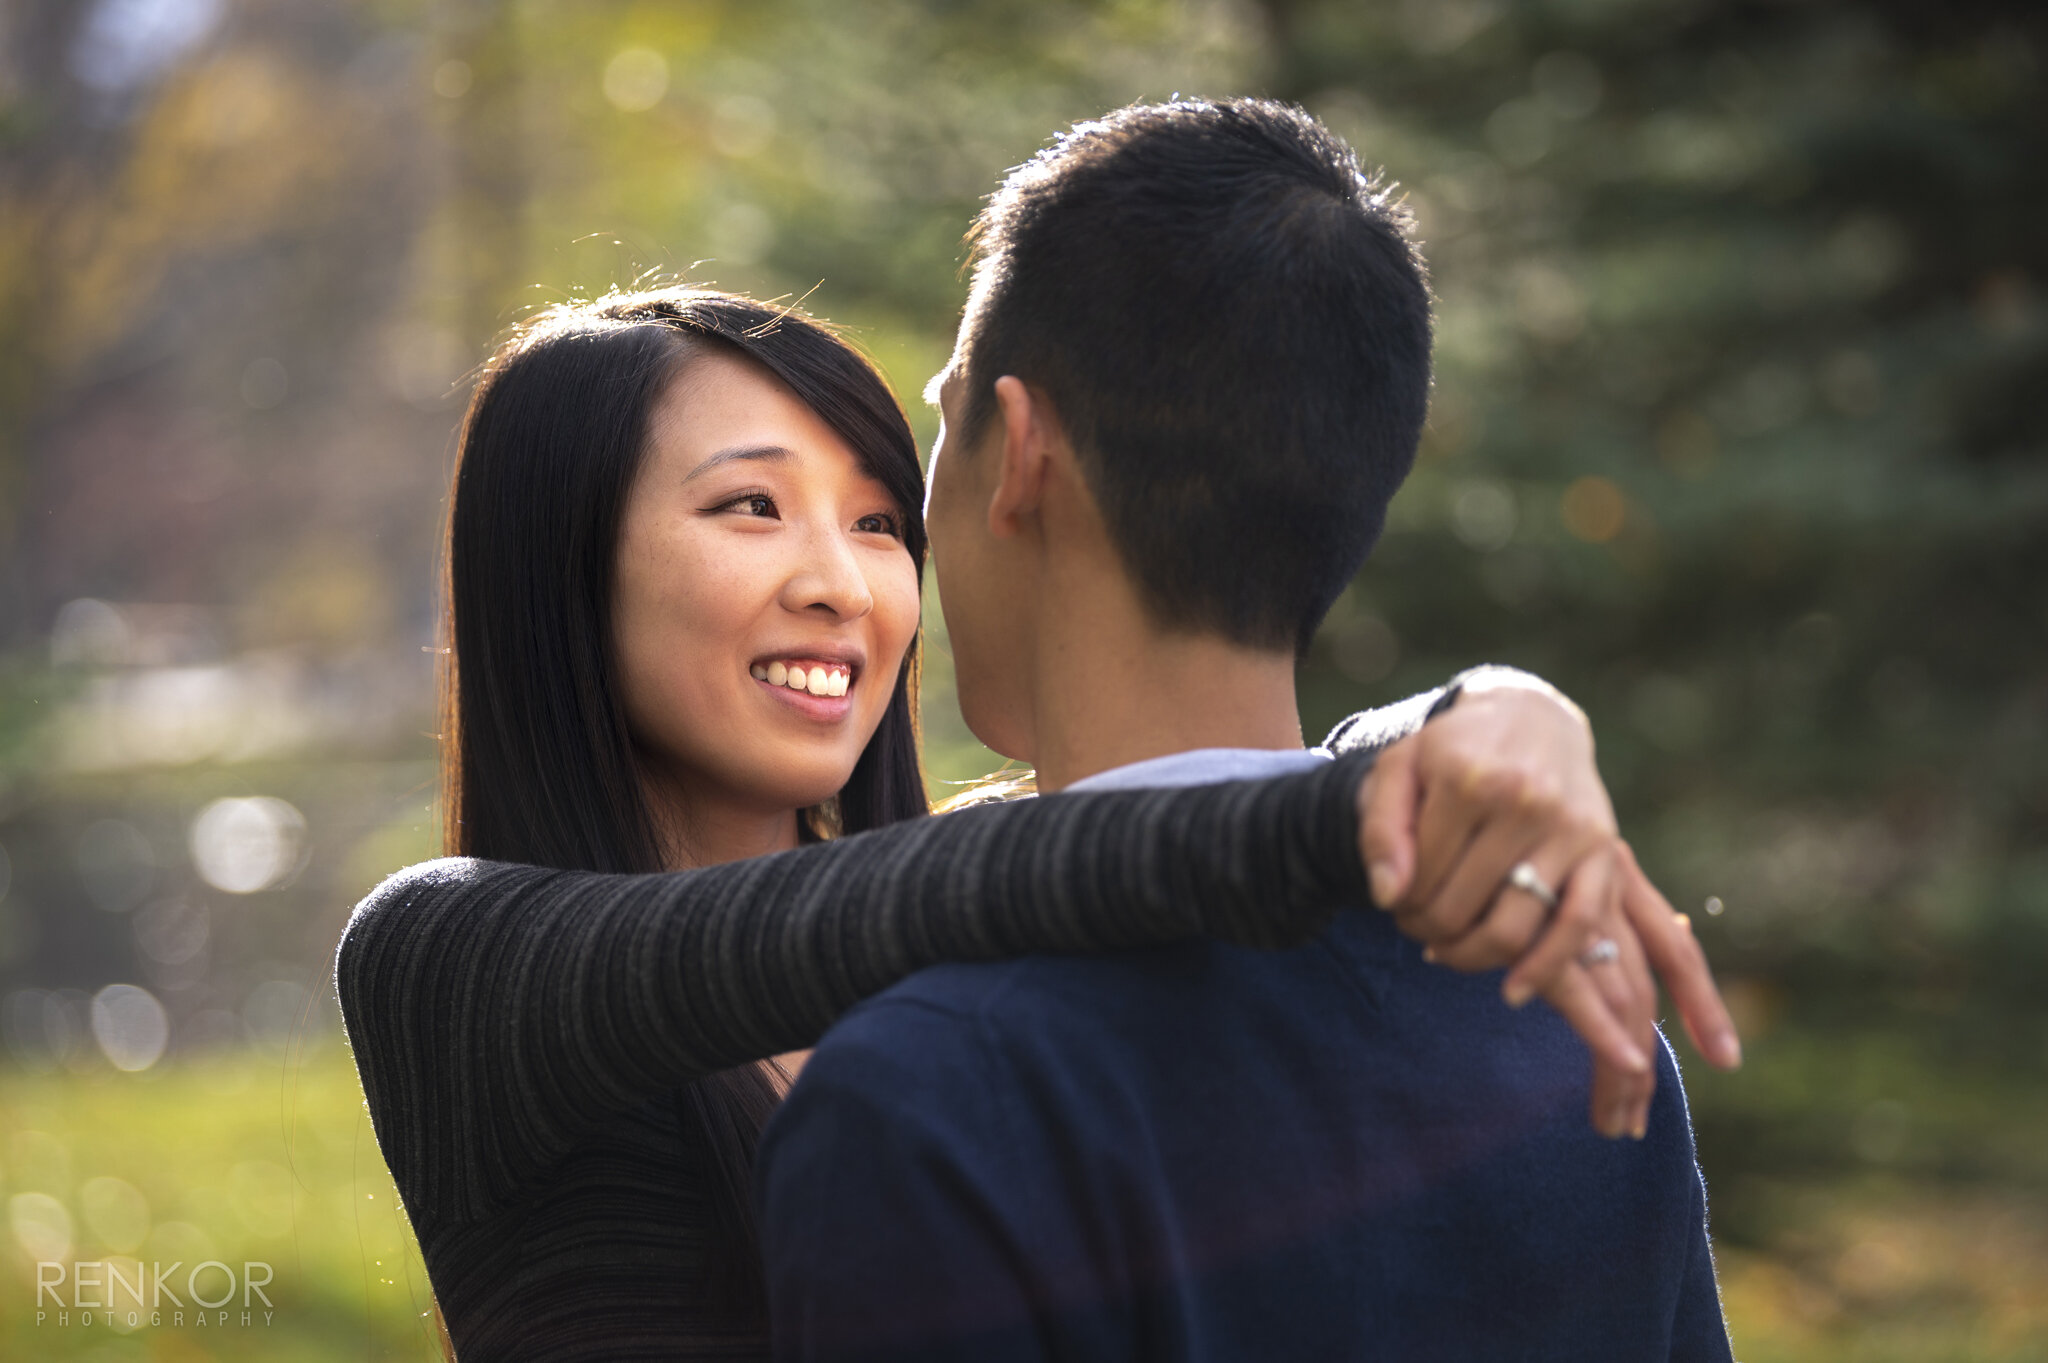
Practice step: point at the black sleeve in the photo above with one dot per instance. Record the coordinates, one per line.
(497, 1012)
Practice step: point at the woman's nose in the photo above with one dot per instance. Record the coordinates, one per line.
(830, 578)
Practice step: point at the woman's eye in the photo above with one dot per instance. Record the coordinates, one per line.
(881, 523)
(753, 504)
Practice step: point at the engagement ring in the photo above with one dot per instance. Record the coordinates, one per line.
(1602, 951)
(1526, 879)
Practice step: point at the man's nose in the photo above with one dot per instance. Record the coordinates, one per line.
(829, 578)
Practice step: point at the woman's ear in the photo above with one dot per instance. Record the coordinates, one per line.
(1030, 430)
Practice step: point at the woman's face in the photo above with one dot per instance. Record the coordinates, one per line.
(764, 597)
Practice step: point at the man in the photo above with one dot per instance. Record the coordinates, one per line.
(1192, 371)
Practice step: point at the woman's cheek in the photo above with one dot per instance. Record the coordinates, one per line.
(901, 594)
(718, 594)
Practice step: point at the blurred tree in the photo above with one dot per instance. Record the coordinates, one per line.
(479, 74)
(1737, 438)
(53, 158)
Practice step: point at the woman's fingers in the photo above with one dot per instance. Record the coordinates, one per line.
(1455, 802)
(1502, 919)
(1606, 1032)
(1589, 895)
(1476, 921)
(1623, 978)
(1608, 997)
(1492, 779)
(1606, 964)
(1619, 1065)
(1513, 919)
(1668, 942)
(1386, 821)
(1608, 1108)
(1506, 919)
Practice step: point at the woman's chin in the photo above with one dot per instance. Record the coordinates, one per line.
(814, 784)
(764, 767)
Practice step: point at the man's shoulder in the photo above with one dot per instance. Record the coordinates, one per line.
(952, 1007)
(1106, 1014)
(916, 1061)
(1017, 1016)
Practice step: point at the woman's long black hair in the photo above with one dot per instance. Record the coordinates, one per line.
(537, 764)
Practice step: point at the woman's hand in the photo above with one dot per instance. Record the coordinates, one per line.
(1506, 776)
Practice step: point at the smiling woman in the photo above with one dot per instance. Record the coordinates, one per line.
(657, 496)
(657, 493)
(762, 570)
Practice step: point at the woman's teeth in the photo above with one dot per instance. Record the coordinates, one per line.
(818, 681)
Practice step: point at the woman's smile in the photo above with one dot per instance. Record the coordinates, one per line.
(816, 687)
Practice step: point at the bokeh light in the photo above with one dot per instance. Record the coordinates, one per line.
(1593, 509)
(130, 1025)
(41, 1225)
(636, 79)
(116, 1212)
(243, 845)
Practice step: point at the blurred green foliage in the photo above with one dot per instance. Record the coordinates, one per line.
(237, 1156)
(1737, 437)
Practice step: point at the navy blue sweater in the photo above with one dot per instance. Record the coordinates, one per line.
(1205, 1152)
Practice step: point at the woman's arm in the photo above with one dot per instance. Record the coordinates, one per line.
(497, 1012)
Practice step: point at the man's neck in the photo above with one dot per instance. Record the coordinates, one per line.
(1109, 696)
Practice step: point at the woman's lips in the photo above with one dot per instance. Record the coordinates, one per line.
(808, 705)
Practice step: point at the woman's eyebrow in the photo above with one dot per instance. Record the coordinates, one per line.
(765, 452)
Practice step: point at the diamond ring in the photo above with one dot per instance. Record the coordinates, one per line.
(1603, 950)
(1529, 881)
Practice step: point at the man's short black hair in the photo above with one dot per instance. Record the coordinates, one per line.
(1234, 327)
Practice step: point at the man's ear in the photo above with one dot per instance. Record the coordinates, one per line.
(1029, 432)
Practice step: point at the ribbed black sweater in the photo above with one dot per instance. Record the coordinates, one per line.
(524, 1035)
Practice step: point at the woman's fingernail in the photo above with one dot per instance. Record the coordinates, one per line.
(1642, 1128)
(1517, 993)
(1731, 1050)
(1637, 1062)
(1429, 954)
(1382, 876)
